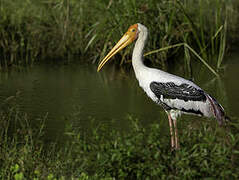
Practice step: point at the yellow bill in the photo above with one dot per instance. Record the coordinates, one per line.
(127, 38)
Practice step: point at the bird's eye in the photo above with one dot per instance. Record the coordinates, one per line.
(133, 30)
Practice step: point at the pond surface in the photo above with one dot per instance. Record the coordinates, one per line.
(112, 94)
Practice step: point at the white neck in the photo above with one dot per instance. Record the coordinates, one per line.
(137, 58)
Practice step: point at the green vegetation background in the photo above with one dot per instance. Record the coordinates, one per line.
(54, 30)
(51, 30)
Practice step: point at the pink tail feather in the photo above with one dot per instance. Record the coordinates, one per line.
(218, 110)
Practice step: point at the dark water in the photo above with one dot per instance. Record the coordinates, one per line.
(109, 95)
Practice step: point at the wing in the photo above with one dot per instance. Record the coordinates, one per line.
(172, 91)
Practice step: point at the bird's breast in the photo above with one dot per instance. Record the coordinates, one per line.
(144, 83)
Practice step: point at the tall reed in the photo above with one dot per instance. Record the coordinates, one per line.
(45, 30)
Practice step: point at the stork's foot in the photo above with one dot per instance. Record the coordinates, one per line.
(174, 148)
(177, 147)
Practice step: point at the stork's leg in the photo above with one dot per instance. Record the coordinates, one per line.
(171, 131)
(176, 134)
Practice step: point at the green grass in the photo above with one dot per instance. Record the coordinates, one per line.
(50, 30)
(207, 151)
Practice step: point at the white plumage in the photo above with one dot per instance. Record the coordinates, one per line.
(175, 94)
(146, 75)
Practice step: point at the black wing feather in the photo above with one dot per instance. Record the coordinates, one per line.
(184, 91)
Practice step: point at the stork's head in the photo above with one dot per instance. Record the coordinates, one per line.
(127, 39)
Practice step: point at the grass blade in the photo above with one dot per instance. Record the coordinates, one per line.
(191, 49)
(222, 45)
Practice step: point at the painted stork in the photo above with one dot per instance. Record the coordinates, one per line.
(175, 94)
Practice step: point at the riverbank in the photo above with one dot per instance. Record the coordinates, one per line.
(207, 150)
(35, 31)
